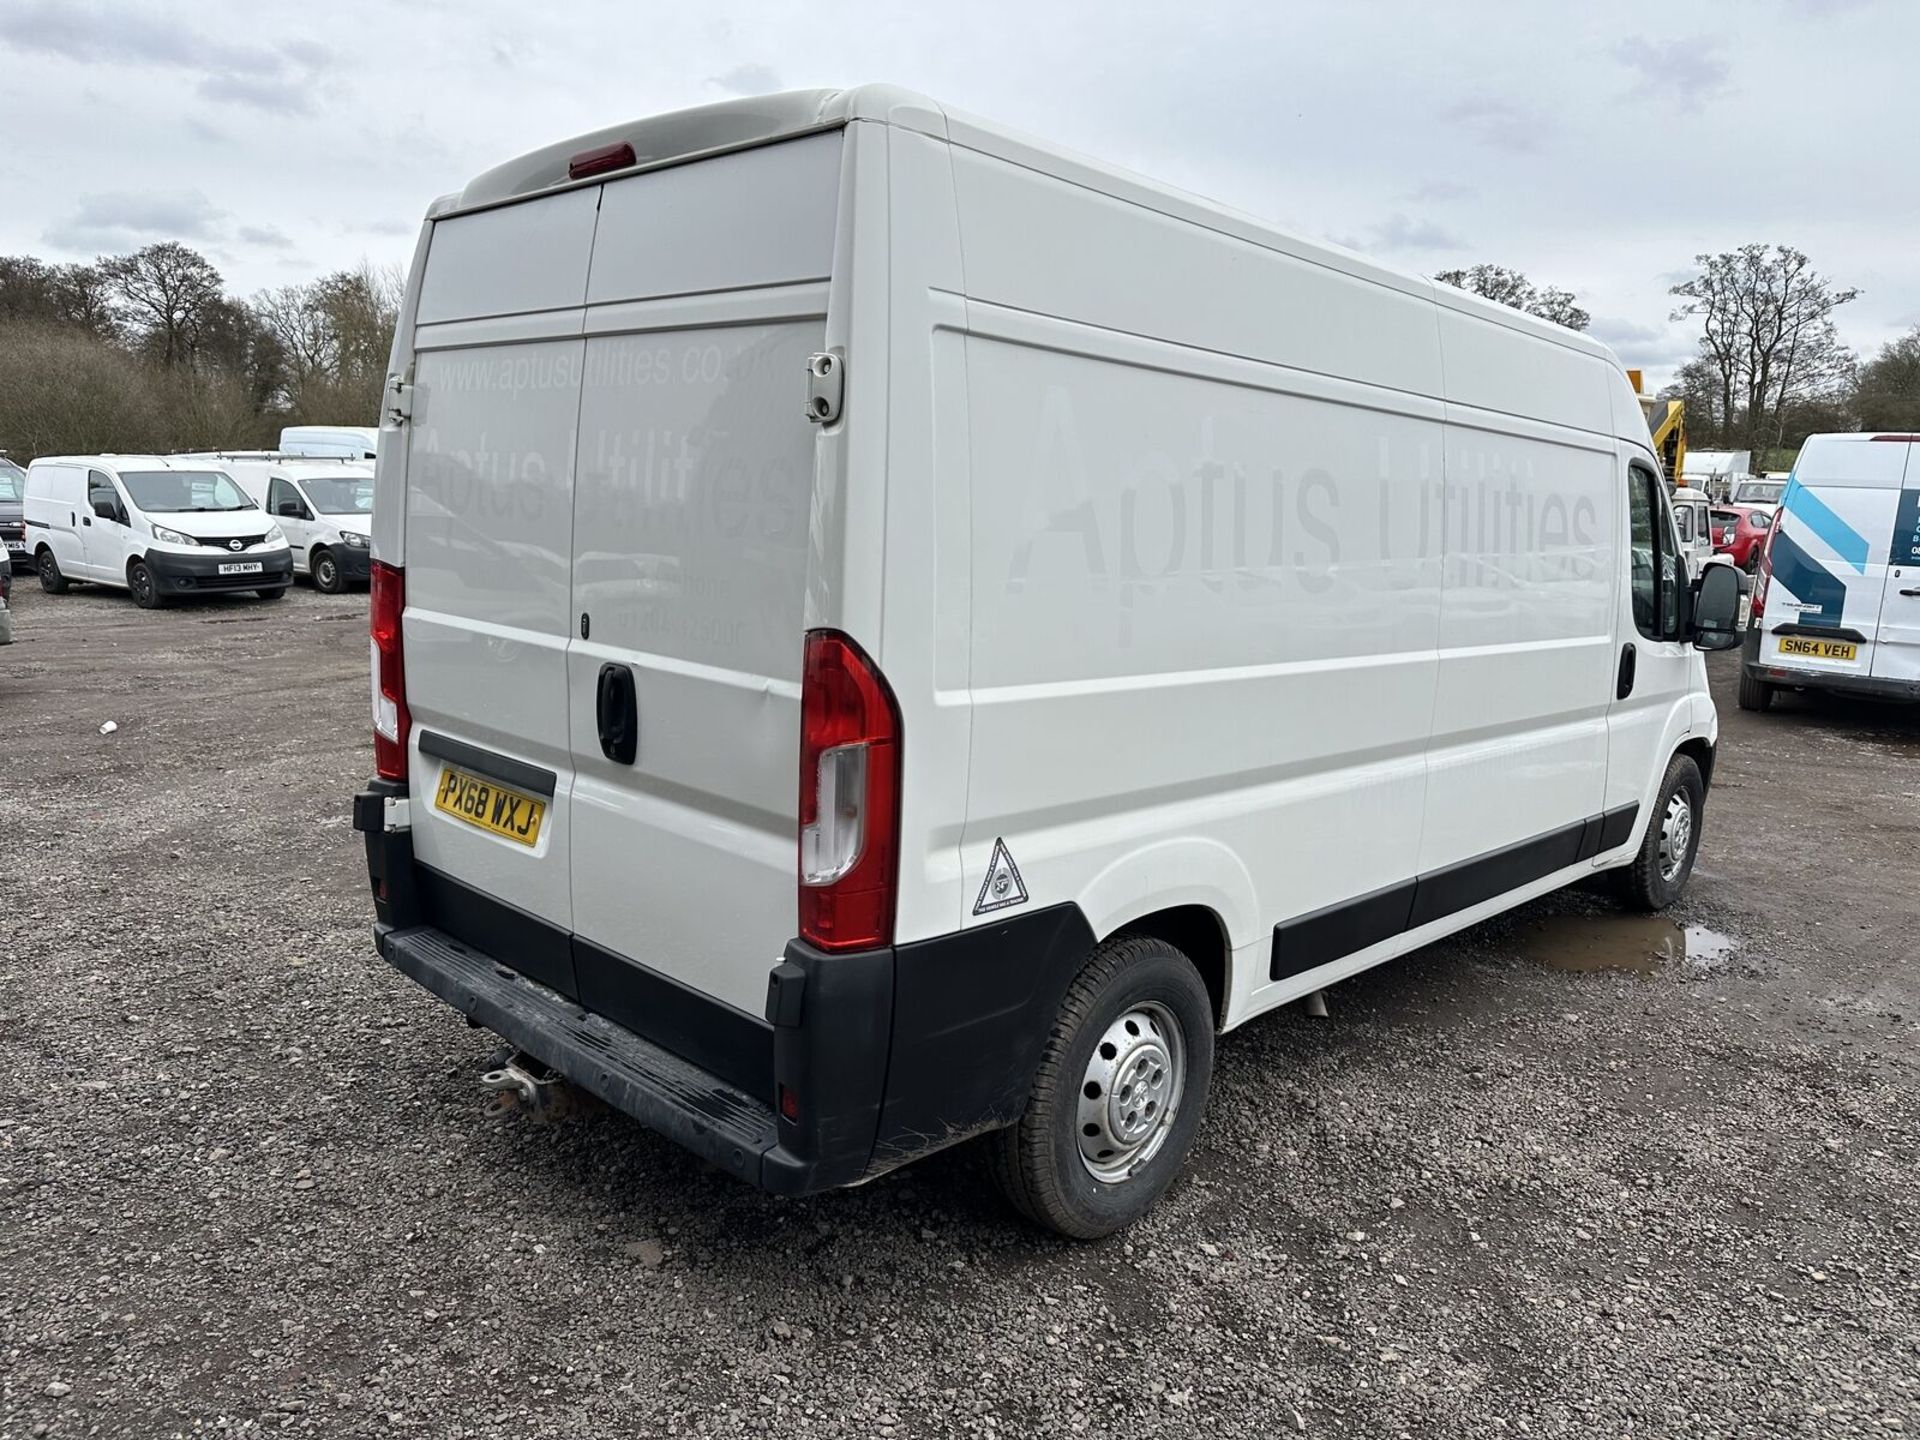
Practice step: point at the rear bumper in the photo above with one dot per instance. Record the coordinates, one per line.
(186, 574)
(888, 1054)
(1867, 687)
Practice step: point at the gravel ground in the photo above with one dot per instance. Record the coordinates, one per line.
(245, 1183)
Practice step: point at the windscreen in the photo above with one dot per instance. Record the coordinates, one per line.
(340, 494)
(1760, 492)
(180, 492)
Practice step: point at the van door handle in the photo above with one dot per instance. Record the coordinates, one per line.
(617, 711)
(1913, 594)
(1629, 663)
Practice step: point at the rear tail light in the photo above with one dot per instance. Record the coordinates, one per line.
(1762, 580)
(391, 722)
(849, 797)
(601, 159)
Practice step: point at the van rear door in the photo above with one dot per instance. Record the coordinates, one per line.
(1896, 652)
(489, 545)
(1828, 556)
(690, 551)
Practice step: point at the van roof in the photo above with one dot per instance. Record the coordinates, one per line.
(111, 461)
(680, 136)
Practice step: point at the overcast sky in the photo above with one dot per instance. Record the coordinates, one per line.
(1596, 147)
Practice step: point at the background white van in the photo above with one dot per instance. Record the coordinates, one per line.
(1836, 603)
(341, 442)
(886, 631)
(157, 526)
(325, 506)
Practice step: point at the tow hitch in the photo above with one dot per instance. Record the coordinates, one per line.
(521, 1083)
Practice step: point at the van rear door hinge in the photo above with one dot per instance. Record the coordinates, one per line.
(826, 386)
(399, 407)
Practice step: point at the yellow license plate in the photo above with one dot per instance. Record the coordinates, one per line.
(489, 807)
(1819, 649)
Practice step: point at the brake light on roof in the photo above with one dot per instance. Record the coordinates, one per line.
(391, 722)
(601, 159)
(849, 797)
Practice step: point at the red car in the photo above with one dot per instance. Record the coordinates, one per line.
(1740, 530)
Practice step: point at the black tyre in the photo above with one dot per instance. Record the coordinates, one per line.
(51, 580)
(1660, 871)
(276, 593)
(1119, 1094)
(325, 571)
(1755, 695)
(143, 587)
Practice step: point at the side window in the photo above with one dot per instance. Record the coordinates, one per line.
(1683, 522)
(1642, 512)
(100, 492)
(278, 493)
(1657, 574)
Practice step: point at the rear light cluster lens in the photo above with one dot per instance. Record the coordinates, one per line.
(1762, 582)
(849, 797)
(391, 722)
(601, 159)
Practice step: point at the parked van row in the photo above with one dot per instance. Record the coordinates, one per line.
(166, 526)
(887, 632)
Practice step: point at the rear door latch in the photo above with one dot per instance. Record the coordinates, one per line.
(826, 386)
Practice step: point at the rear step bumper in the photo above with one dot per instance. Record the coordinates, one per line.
(1866, 687)
(655, 1086)
(888, 1054)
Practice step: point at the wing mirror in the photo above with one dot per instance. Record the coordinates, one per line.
(106, 510)
(288, 508)
(1716, 608)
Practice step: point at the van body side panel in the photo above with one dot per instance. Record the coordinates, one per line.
(1205, 588)
(1526, 666)
(489, 520)
(691, 544)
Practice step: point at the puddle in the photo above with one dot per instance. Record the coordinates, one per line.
(1639, 943)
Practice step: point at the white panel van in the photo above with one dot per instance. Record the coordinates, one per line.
(1836, 602)
(340, 442)
(325, 507)
(885, 632)
(156, 526)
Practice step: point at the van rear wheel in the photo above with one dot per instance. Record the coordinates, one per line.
(1756, 695)
(51, 580)
(1119, 1094)
(1660, 871)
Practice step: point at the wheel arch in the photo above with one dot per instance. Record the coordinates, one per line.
(1700, 750)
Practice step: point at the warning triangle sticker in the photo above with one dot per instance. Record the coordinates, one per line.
(1003, 885)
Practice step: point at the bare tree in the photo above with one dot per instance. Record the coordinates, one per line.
(1766, 321)
(1510, 287)
(168, 292)
(1887, 393)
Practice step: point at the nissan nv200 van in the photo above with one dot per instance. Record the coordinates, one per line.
(156, 526)
(886, 632)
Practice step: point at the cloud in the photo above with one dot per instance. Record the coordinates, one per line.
(1499, 123)
(91, 35)
(125, 220)
(1648, 347)
(1685, 73)
(267, 236)
(1398, 232)
(748, 79)
(272, 94)
(1439, 192)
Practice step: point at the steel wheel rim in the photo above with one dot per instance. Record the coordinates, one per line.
(49, 569)
(1130, 1094)
(323, 573)
(1676, 836)
(142, 582)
